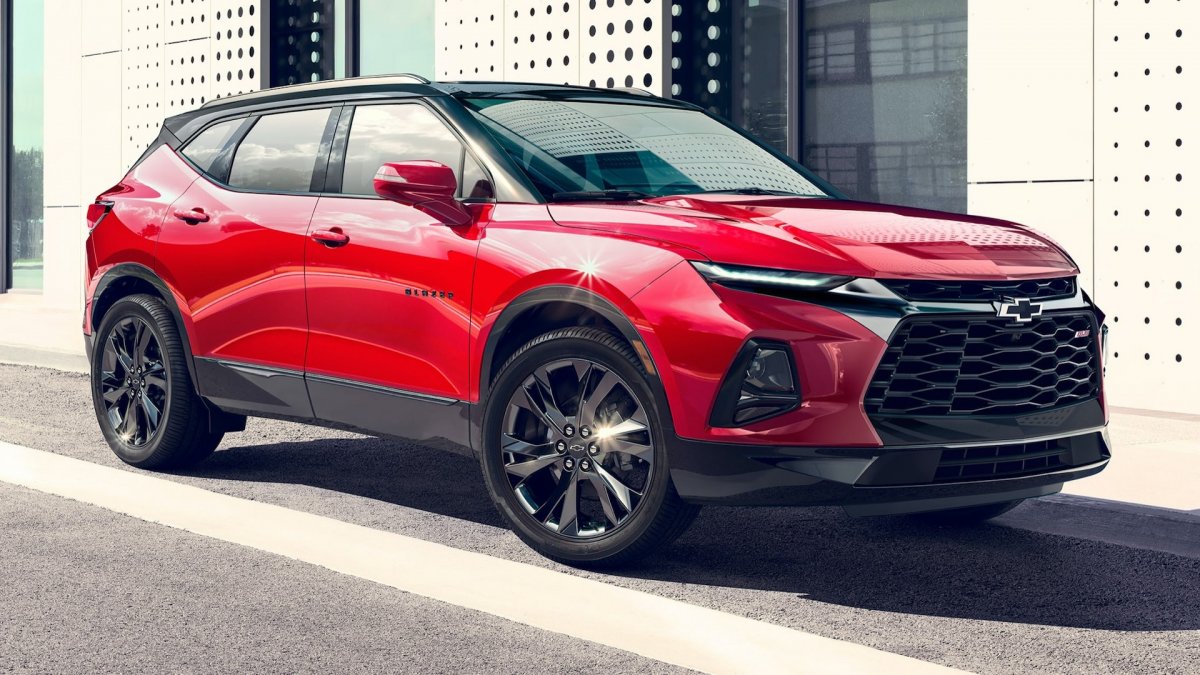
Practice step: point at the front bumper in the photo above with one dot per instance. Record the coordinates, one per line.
(884, 480)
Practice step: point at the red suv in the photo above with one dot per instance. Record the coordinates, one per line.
(623, 306)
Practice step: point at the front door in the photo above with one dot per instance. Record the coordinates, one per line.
(389, 291)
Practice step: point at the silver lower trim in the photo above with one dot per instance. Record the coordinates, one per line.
(379, 389)
(272, 371)
(1006, 479)
(1027, 439)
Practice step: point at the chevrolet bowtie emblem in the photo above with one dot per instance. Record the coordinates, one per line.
(1021, 310)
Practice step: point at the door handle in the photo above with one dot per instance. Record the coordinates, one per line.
(331, 238)
(196, 215)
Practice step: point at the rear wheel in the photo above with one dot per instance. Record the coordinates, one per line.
(969, 515)
(144, 399)
(574, 454)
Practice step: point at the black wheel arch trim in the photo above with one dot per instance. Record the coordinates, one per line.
(572, 295)
(143, 273)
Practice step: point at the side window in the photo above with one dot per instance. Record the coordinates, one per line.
(204, 149)
(280, 152)
(401, 133)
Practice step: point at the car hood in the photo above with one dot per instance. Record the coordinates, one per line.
(830, 236)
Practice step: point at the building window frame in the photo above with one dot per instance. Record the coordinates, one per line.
(6, 259)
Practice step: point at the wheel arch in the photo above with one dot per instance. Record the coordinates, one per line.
(547, 308)
(128, 279)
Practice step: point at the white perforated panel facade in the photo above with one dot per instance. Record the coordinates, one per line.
(469, 40)
(541, 41)
(1147, 164)
(623, 43)
(588, 42)
(142, 39)
(235, 44)
(177, 55)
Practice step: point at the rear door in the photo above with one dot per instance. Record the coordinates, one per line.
(233, 245)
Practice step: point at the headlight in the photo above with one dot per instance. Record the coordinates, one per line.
(737, 275)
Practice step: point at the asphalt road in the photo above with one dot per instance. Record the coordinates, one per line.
(992, 599)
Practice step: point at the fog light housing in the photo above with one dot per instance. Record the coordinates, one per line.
(760, 384)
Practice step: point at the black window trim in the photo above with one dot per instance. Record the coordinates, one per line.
(223, 162)
(337, 158)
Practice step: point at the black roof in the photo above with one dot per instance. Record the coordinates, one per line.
(401, 86)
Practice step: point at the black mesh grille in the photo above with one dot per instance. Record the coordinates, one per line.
(959, 365)
(981, 291)
(1001, 461)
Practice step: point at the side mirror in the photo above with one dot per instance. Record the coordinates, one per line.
(424, 185)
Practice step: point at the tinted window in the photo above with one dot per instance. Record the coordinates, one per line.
(207, 145)
(401, 133)
(885, 99)
(279, 153)
(565, 146)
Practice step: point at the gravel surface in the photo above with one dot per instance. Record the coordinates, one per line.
(990, 599)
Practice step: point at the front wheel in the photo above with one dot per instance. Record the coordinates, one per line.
(574, 453)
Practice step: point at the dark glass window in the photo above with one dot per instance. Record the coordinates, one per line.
(885, 104)
(301, 41)
(208, 144)
(398, 37)
(25, 154)
(761, 90)
(400, 133)
(280, 152)
(566, 146)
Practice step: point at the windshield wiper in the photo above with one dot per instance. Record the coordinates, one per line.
(599, 196)
(750, 191)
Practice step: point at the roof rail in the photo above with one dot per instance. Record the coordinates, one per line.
(420, 79)
(633, 90)
(401, 78)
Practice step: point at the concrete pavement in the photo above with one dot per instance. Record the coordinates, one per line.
(80, 597)
(999, 598)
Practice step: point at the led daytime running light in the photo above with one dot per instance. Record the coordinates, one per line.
(756, 276)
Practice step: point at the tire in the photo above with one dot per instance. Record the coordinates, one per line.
(626, 453)
(970, 515)
(139, 332)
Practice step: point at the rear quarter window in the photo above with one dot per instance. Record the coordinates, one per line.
(204, 149)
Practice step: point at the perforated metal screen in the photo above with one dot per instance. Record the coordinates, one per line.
(603, 43)
(178, 54)
(1147, 253)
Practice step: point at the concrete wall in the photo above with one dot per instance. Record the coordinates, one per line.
(1081, 121)
(114, 70)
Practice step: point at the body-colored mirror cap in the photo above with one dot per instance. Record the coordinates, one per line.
(424, 185)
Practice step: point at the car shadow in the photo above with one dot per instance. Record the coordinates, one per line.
(987, 572)
(895, 564)
(388, 470)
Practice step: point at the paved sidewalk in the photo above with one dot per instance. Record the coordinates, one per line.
(1156, 462)
(33, 334)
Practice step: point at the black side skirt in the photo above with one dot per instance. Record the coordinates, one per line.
(264, 391)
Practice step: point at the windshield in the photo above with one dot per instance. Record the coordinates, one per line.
(571, 148)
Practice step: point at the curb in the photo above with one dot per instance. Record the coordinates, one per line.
(44, 358)
(1111, 522)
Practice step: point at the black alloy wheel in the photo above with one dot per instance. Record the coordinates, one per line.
(133, 381)
(147, 407)
(577, 447)
(574, 455)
